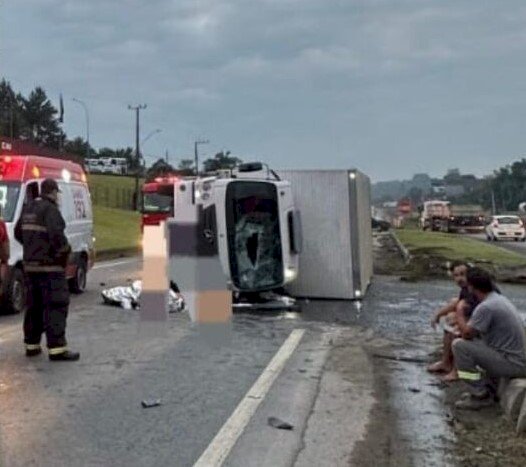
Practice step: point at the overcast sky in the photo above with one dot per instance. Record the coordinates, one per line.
(391, 87)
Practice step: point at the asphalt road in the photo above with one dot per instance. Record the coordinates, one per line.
(89, 412)
(346, 406)
(517, 247)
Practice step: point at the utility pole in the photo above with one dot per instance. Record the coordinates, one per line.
(137, 109)
(196, 154)
(166, 156)
(493, 208)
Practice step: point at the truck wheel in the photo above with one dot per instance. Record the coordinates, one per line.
(15, 299)
(77, 285)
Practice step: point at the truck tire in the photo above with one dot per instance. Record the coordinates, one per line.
(77, 284)
(15, 298)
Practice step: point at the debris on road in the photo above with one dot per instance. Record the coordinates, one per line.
(415, 390)
(279, 424)
(151, 403)
(128, 297)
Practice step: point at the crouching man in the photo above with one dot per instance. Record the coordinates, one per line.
(493, 343)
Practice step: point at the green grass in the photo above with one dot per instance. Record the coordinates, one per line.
(456, 247)
(116, 229)
(111, 181)
(113, 191)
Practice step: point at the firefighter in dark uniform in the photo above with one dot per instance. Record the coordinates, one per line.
(46, 252)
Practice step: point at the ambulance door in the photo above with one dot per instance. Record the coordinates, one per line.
(66, 209)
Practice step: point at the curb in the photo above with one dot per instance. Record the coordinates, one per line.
(115, 253)
(512, 393)
(401, 247)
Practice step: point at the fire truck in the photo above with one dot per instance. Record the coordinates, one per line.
(158, 200)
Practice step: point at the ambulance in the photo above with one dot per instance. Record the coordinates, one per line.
(23, 167)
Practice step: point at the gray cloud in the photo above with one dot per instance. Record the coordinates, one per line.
(390, 87)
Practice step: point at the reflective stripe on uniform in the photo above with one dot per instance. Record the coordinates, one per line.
(34, 227)
(57, 350)
(469, 375)
(33, 347)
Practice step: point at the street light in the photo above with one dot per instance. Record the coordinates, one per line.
(78, 101)
(154, 132)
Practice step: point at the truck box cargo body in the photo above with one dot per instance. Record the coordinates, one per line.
(335, 208)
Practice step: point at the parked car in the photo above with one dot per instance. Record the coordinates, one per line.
(505, 228)
(380, 225)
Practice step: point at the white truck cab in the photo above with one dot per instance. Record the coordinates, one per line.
(256, 225)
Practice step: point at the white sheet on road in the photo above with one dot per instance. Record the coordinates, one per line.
(128, 297)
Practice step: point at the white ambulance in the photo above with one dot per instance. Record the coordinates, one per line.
(20, 178)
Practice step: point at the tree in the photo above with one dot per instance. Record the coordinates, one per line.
(40, 124)
(106, 152)
(222, 160)
(453, 177)
(79, 147)
(10, 111)
(416, 195)
(186, 167)
(159, 168)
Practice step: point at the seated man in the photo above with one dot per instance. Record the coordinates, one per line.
(466, 302)
(493, 343)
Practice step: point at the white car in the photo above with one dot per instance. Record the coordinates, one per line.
(506, 228)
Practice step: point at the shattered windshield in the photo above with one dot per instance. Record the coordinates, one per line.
(254, 236)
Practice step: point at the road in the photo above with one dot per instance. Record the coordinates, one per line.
(89, 413)
(346, 406)
(517, 247)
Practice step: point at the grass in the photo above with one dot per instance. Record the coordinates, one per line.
(116, 229)
(457, 247)
(114, 191)
(111, 181)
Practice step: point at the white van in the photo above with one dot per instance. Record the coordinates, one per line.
(20, 180)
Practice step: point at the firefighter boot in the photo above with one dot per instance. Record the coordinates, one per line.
(32, 350)
(65, 356)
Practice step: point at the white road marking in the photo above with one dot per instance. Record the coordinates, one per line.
(110, 264)
(218, 450)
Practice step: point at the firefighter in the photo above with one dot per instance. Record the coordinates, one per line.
(46, 252)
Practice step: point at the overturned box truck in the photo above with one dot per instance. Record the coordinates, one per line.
(336, 259)
(304, 232)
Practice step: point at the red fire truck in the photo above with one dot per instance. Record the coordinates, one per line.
(158, 200)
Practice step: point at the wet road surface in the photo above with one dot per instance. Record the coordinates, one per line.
(344, 402)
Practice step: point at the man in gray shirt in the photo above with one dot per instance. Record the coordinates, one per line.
(493, 343)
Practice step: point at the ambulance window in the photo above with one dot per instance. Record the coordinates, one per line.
(87, 203)
(31, 192)
(65, 202)
(9, 193)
